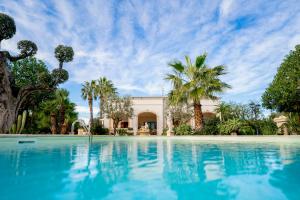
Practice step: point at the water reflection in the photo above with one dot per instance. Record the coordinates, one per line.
(150, 169)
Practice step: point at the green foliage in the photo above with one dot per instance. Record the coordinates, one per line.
(7, 27)
(104, 88)
(267, 127)
(19, 121)
(181, 113)
(27, 48)
(294, 124)
(88, 90)
(59, 104)
(283, 93)
(118, 108)
(19, 127)
(30, 71)
(60, 75)
(250, 111)
(122, 131)
(247, 129)
(231, 126)
(64, 53)
(183, 129)
(195, 81)
(14, 128)
(97, 128)
(255, 110)
(236, 127)
(211, 127)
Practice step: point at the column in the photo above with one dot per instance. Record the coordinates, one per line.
(135, 125)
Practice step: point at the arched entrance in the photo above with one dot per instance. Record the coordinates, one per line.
(147, 123)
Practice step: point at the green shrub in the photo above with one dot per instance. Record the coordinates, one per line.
(211, 127)
(267, 127)
(122, 131)
(294, 124)
(183, 129)
(231, 126)
(246, 129)
(97, 128)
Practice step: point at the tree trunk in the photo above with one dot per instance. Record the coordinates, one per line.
(90, 99)
(64, 127)
(8, 103)
(101, 108)
(115, 126)
(53, 123)
(62, 118)
(198, 116)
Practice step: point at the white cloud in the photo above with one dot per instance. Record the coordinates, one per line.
(226, 7)
(86, 109)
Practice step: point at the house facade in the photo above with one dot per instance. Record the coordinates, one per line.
(150, 115)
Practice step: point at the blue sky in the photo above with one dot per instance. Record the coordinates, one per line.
(131, 42)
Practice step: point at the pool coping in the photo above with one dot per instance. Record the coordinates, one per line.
(228, 138)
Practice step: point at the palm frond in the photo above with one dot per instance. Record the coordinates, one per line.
(200, 60)
(188, 61)
(177, 65)
(197, 81)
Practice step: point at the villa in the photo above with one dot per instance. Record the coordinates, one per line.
(150, 115)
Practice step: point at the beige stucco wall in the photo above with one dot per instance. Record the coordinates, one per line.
(149, 104)
(157, 105)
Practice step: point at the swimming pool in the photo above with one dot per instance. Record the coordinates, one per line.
(149, 168)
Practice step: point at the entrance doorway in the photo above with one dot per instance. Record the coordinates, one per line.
(147, 123)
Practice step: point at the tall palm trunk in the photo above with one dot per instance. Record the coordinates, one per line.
(53, 123)
(62, 118)
(64, 127)
(101, 107)
(198, 116)
(90, 99)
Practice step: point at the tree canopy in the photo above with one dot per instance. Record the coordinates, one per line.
(104, 88)
(7, 27)
(283, 93)
(17, 87)
(60, 107)
(194, 81)
(118, 108)
(63, 54)
(30, 71)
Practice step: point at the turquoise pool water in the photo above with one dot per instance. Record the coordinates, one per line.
(132, 168)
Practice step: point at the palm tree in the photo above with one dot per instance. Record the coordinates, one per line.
(104, 89)
(88, 93)
(64, 107)
(57, 107)
(61, 97)
(224, 110)
(195, 81)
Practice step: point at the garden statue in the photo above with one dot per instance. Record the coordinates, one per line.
(146, 126)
